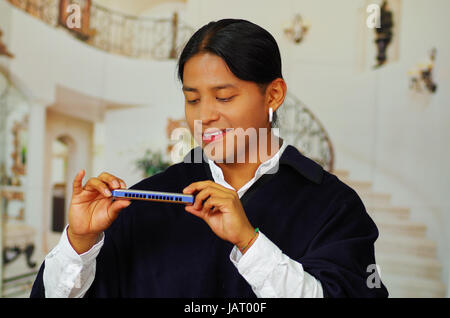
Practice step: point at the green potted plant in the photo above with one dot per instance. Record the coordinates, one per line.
(151, 163)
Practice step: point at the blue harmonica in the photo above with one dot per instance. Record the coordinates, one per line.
(154, 196)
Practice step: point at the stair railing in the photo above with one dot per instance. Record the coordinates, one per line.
(302, 129)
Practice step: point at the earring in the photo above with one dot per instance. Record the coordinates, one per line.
(270, 114)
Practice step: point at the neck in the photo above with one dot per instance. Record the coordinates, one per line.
(238, 174)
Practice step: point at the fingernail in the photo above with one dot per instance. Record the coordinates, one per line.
(115, 184)
(124, 186)
(107, 192)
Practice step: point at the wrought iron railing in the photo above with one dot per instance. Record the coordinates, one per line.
(115, 32)
(301, 128)
(138, 37)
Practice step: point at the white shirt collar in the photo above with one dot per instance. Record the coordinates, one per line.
(262, 169)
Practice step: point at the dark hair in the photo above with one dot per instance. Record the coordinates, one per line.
(251, 52)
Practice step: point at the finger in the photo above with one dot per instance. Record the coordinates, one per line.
(212, 205)
(116, 207)
(200, 185)
(197, 186)
(77, 182)
(198, 213)
(123, 185)
(202, 196)
(95, 184)
(113, 181)
(222, 204)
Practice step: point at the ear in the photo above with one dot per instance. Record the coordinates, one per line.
(275, 94)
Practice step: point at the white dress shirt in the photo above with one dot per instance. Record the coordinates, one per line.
(269, 272)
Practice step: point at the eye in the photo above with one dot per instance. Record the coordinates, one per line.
(225, 99)
(193, 101)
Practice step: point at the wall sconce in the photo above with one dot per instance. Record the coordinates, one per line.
(383, 33)
(422, 75)
(297, 29)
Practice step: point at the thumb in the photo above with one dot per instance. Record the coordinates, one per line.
(77, 185)
(197, 213)
(118, 206)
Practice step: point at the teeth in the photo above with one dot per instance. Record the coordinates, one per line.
(209, 135)
(215, 133)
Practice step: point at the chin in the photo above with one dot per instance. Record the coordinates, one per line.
(219, 154)
(215, 152)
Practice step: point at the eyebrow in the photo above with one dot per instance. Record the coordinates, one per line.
(192, 89)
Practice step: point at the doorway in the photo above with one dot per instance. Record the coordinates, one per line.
(59, 169)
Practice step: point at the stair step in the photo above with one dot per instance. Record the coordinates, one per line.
(386, 217)
(407, 259)
(401, 245)
(370, 198)
(401, 227)
(409, 265)
(407, 286)
(341, 174)
(358, 185)
(399, 212)
(405, 292)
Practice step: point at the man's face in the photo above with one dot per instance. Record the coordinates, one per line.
(223, 103)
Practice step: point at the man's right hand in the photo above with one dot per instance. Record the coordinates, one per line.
(92, 209)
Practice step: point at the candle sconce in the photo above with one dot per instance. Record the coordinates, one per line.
(422, 75)
(384, 33)
(297, 29)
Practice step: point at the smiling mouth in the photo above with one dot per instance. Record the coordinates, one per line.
(210, 136)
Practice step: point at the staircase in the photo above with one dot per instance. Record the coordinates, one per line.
(406, 257)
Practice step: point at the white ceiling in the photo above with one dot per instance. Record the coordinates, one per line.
(79, 105)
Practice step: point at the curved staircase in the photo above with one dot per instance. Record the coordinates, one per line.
(406, 257)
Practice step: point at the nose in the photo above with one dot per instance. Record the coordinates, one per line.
(208, 113)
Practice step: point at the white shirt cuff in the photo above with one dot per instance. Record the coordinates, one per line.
(69, 254)
(66, 273)
(271, 273)
(258, 262)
